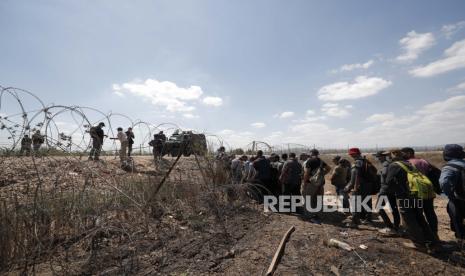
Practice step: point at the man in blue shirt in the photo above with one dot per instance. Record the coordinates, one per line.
(452, 183)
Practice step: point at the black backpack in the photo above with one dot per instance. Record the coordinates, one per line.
(433, 175)
(370, 173)
(459, 189)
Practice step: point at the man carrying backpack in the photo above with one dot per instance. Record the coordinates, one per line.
(130, 136)
(452, 182)
(97, 134)
(381, 156)
(428, 204)
(26, 143)
(37, 141)
(158, 143)
(315, 170)
(339, 180)
(361, 183)
(291, 176)
(408, 194)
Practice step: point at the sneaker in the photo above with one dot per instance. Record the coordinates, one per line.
(367, 222)
(351, 225)
(388, 231)
(410, 245)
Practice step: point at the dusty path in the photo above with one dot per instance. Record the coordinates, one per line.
(305, 253)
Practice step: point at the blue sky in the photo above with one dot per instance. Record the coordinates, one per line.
(330, 73)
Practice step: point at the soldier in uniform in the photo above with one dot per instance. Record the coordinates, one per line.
(130, 136)
(97, 134)
(157, 143)
(25, 145)
(37, 141)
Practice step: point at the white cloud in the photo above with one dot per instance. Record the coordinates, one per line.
(361, 87)
(454, 58)
(458, 87)
(334, 110)
(350, 67)
(310, 112)
(213, 101)
(258, 125)
(226, 132)
(453, 103)
(237, 138)
(318, 133)
(190, 116)
(285, 114)
(450, 29)
(436, 123)
(414, 44)
(380, 118)
(162, 93)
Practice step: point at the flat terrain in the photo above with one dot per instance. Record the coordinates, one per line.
(97, 219)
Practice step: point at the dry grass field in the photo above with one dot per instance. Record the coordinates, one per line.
(65, 215)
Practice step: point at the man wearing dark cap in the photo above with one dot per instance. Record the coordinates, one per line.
(452, 183)
(428, 204)
(381, 156)
(97, 134)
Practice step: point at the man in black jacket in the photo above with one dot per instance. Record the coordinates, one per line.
(262, 167)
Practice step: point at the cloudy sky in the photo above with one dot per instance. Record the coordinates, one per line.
(330, 73)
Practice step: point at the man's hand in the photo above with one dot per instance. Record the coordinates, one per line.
(347, 189)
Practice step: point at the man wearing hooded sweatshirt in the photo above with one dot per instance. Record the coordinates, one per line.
(452, 182)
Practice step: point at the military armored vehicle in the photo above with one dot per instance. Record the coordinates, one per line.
(187, 142)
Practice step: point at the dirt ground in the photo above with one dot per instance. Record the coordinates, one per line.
(239, 239)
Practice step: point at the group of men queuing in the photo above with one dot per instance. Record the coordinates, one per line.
(408, 183)
(34, 143)
(285, 174)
